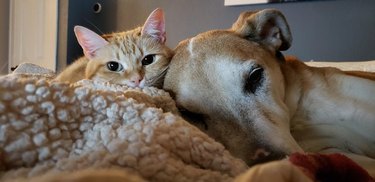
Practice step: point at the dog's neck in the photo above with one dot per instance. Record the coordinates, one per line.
(327, 99)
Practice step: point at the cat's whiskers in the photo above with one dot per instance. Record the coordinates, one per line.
(153, 80)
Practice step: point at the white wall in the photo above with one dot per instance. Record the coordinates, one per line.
(4, 30)
(33, 32)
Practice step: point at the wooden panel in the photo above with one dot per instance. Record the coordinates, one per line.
(33, 32)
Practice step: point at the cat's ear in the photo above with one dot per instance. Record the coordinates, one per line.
(155, 25)
(89, 40)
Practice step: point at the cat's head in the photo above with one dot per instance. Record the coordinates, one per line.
(135, 58)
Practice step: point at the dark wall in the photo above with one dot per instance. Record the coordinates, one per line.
(4, 36)
(82, 13)
(334, 30)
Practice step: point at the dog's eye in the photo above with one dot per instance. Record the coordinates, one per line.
(114, 66)
(148, 59)
(254, 79)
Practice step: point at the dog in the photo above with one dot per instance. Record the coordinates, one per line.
(237, 86)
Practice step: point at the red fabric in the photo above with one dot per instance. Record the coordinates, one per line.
(330, 167)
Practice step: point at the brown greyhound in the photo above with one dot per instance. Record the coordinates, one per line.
(237, 87)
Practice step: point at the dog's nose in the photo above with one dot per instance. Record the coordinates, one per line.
(263, 155)
(260, 153)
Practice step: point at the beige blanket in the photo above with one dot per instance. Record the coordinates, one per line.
(49, 127)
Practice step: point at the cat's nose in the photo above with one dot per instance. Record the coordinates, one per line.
(136, 79)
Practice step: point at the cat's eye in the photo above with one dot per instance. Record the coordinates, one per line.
(114, 66)
(149, 59)
(254, 79)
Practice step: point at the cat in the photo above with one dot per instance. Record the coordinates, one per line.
(135, 58)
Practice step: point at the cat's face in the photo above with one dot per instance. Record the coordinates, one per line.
(135, 58)
(131, 59)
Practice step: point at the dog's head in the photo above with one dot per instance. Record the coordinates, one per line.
(233, 79)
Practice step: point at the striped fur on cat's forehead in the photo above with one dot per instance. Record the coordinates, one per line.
(133, 43)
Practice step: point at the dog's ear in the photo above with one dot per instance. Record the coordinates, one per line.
(268, 27)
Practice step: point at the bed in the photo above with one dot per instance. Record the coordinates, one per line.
(98, 131)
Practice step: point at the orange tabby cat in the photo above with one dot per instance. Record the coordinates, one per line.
(135, 58)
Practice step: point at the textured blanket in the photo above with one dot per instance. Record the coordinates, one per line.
(51, 127)
(89, 131)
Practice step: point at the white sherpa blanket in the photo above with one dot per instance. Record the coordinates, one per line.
(50, 127)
